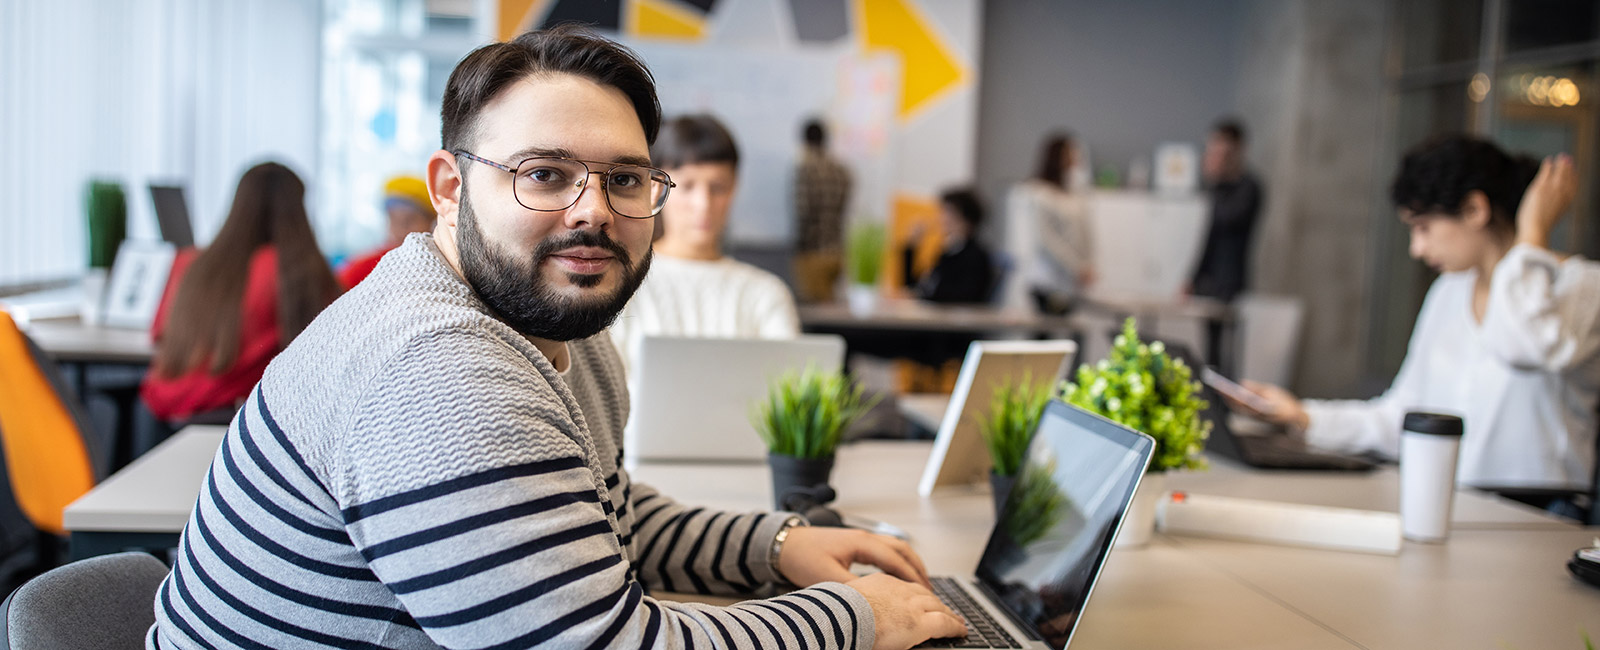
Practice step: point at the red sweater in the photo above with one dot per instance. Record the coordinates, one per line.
(357, 269)
(198, 391)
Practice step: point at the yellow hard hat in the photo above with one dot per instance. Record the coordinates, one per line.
(410, 189)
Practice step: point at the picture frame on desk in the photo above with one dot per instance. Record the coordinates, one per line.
(138, 278)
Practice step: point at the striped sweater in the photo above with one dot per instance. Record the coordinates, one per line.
(412, 473)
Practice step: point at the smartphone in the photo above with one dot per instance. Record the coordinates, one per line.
(1238, 393)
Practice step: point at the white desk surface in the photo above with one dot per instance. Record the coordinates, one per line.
(68, 339)
(1485, 586)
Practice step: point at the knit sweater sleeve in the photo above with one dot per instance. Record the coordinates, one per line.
(468, 484)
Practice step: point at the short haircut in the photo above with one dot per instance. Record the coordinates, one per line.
(1231, 129)
(1051, 170)
(966, 204)
(815, 133)
(565, 49)
(1436, 176)
(694, 139)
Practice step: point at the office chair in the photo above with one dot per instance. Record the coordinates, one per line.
(102, 603)
(48, 457)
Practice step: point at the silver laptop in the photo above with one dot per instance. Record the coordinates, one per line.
(1051, 539)
(693, 398)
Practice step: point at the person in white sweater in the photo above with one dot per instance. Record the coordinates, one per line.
(693, 290)
(1509, 334)
(1049, 234)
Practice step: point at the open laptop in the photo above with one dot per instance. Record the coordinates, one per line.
(693, 397)
(1270, 448)
(172, 214)
(959, 456)
(1053, 535)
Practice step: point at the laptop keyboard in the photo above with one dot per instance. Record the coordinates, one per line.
(982, 630)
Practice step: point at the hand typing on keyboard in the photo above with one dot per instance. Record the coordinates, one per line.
(905, 613)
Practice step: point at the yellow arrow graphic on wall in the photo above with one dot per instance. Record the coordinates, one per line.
(929, 67)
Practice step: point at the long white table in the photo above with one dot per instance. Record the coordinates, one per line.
(70, 340)
(1499, 580)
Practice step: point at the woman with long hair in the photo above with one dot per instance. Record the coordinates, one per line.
(228, 310)
(1049, 232)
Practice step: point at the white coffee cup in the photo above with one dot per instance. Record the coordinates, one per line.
(1428, 449)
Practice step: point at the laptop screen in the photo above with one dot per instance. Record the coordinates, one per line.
(172, 215)
(1061, 517)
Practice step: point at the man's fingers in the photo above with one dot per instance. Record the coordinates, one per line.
(940, 625)
(884, 557)
(910, 555)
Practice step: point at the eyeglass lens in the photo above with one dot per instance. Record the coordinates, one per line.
(555, 183)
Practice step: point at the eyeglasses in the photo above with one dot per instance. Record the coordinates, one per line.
(550, 184)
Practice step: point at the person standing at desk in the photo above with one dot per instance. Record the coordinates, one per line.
(1050, 233)
(694, 290)
(435, 461)
(228, 310)
(405, 201)
(821, 191)
(1508, 336)
(964, 272)
(1223, 270)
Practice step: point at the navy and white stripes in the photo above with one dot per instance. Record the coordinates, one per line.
(412, 474)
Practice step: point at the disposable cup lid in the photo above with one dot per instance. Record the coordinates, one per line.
(1437, 424)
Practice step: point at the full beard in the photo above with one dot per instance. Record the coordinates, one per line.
(527, 301)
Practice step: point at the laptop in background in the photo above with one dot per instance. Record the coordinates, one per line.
(1051, 538)
(172, 214)
(1271, 448)
(959, 456)
(693, 397)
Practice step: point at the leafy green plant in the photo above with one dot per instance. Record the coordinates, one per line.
(1144, 388)
(1013, 414)
(1035, 504)
(107, 210)
(805, 412)
(865, 248)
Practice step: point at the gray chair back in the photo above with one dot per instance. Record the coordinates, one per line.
(102, 603)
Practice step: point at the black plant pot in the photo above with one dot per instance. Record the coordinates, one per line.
(799, 483)
(1000, 487)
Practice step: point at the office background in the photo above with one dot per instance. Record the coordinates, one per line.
(345, 91)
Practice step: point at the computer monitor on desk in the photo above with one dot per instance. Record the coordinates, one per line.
(172, 214)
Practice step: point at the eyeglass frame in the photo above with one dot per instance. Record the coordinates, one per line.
(589, 172)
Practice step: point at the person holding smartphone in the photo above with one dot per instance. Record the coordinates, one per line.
(1508, 336)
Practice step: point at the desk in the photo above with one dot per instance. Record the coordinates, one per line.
(70, 341)
(906, 315)
(1485, 586)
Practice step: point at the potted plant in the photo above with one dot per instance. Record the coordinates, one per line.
(1014, 412)
(1142, 387)
(107, 211)
(865, 250)
(801, 421)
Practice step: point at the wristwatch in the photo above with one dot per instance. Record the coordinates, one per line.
(783, 534)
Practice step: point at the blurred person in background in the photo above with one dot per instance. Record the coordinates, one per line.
(1235, 208)
(1509, 334)
(230, 308)
(405, 201)
(693, 289)
(821, 191)
(965, 270)
(1051, 234)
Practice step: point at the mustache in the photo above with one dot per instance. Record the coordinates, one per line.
(591, 238)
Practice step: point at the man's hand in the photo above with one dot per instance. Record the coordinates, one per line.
(1547, 199)
(814, 554)
(905, 614)
(1286, 408)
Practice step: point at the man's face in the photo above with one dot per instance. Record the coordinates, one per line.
(558, 275)
(1221, 158)
(697, 210)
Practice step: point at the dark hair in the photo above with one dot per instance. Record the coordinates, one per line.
(1231, 129)
(203, 323)
(815, 134)
(1051, 170)
(567, 48)
(692, 139)
(966, 204)
(1436, 176)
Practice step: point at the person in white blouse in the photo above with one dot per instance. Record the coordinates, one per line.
(1049, 234)
(693, 290)
(1508, 336)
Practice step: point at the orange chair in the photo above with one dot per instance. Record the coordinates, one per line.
(42, 432)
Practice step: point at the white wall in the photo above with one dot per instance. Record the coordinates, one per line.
(139, 90)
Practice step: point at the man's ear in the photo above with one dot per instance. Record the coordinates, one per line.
(444, 187)
(1475, 210)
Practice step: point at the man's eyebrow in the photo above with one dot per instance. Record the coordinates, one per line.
(562, 152)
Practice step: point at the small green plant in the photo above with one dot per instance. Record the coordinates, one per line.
(1035, 505)
(805, 412)
(1013, 414)
(1145, 389)
(865, 248)
(107, 210)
